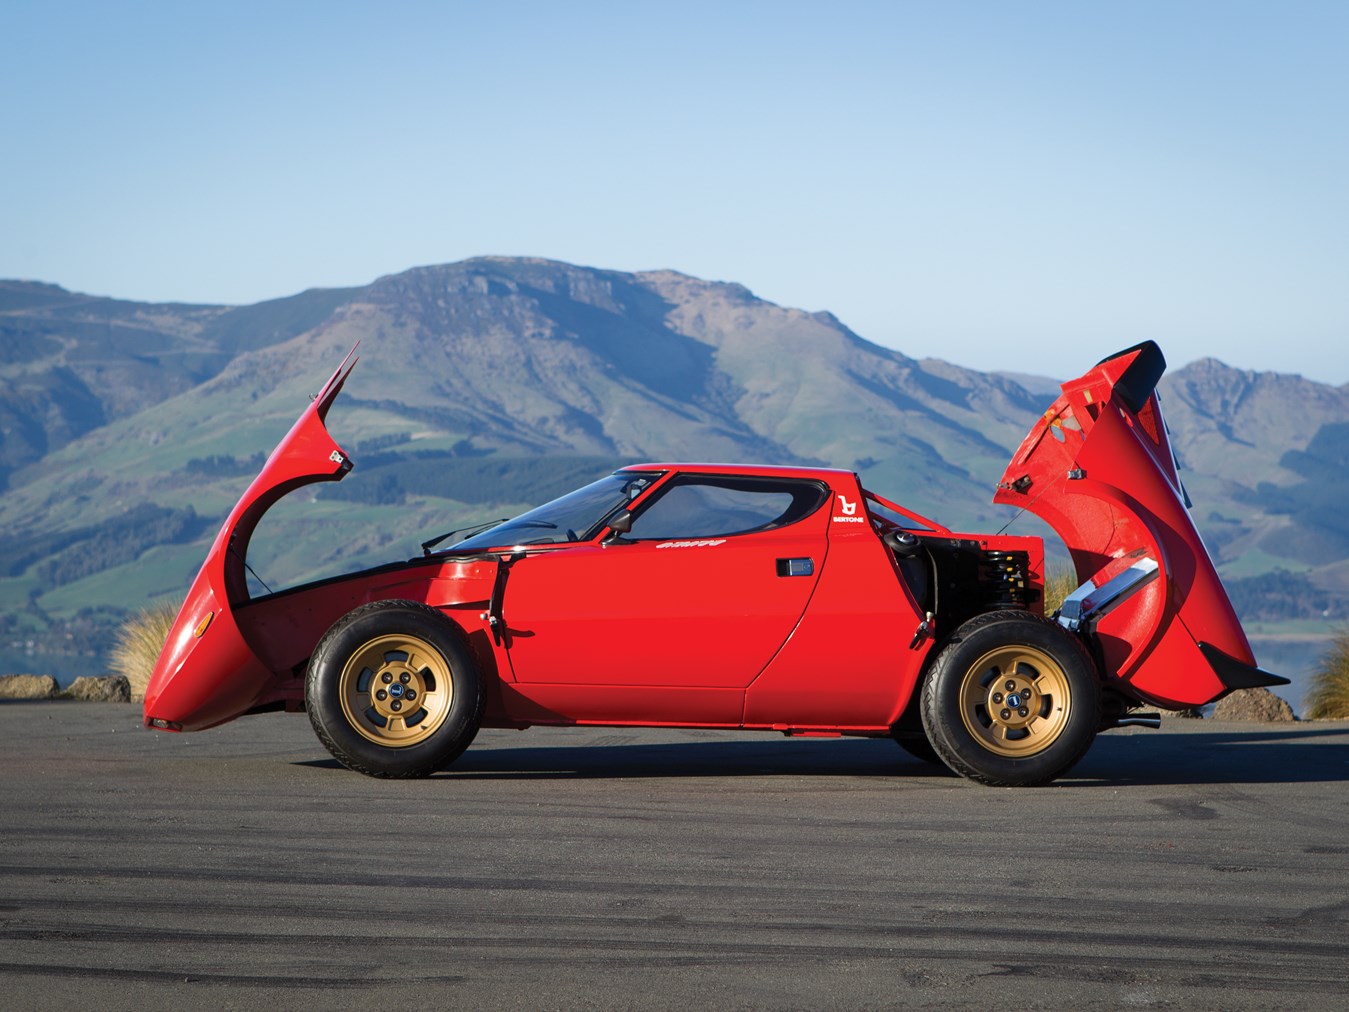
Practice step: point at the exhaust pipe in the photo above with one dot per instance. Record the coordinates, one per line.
(1152, 720)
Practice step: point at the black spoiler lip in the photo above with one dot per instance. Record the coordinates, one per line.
(1236, 675)
(1141, 377)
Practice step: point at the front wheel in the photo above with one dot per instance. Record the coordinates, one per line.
(1012, 701)
(393, 690)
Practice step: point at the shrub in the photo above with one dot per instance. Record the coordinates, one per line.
(1329, 695)
(1059, 583)
(138, 643)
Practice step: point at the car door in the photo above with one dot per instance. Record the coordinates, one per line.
(700, 593)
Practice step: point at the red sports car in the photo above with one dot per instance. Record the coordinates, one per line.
(785, 599)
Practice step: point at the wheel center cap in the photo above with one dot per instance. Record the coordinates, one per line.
(396, 690)
(1014, 700)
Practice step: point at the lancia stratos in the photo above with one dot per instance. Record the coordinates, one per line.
(787, 599)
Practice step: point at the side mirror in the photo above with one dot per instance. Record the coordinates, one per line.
(619, 526)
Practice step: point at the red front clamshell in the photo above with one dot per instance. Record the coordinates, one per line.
(207, 673)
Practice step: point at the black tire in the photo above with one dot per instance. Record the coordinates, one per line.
(393, 690)
(1012, 700)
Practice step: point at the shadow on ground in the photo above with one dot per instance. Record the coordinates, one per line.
(1228, 756)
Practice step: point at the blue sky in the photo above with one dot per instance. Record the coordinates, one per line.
(1023, 186)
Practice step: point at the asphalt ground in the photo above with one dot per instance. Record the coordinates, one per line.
(1205, 865)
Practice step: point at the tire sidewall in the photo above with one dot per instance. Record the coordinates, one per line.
(941, 700)
(323, 690)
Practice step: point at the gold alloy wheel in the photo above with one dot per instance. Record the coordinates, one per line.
(1015, 700)
(396, 690)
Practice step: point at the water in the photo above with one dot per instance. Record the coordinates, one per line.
(65, 668)
(1296, 659)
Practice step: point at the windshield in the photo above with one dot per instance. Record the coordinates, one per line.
(576, 516)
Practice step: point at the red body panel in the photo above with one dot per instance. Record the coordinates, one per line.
(847, 663)
(808, 627)
(1099, 468)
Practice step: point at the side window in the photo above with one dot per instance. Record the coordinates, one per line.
(708, 507)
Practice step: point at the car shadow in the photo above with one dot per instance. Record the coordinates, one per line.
(747, 758)
(1226, 756)
(1264, 754)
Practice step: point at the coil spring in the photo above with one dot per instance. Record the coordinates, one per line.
(1004, 580)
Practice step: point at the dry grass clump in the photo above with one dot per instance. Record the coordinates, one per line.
(1329, 695)
(138, 644)
(1059, 583)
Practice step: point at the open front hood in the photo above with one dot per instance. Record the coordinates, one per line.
(1098, 467)
(226, 677)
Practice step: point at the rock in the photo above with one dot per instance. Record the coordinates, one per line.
(27, 687)
(1253, 704)
(108, 689)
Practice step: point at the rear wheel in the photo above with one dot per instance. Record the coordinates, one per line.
(1013, 700)
(393, 690)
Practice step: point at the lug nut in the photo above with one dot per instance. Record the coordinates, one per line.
(397, 704)
(386, 678)
(381, 695)
(1011, 685)
(997, 697)
(1023, 712)
(1006, 714)
(405, 678)
(411, 695)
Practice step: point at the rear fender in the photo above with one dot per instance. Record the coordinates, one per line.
(1099, 468)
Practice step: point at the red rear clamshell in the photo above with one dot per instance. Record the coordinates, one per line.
(1098, 467)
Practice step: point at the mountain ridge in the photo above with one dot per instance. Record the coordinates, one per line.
(107, 406)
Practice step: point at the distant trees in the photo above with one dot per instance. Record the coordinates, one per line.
(1280, 595)
(224, 465)
(72, 555)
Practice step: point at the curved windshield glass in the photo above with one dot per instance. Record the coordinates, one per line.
(576, 516)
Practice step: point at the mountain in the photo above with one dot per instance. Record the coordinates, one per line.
(128, 429)
(1267, 458)
(72, 363)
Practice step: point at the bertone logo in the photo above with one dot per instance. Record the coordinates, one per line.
(849, 510)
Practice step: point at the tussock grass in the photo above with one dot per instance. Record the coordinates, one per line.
(1059, 583)
(138, 644)
(1329, 694)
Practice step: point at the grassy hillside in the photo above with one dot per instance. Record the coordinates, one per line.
(128, 430)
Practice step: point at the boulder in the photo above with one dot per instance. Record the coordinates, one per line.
(108, 689)
(1253, 704)
(27, 687)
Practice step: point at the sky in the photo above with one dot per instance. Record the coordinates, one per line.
(1024, 186)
